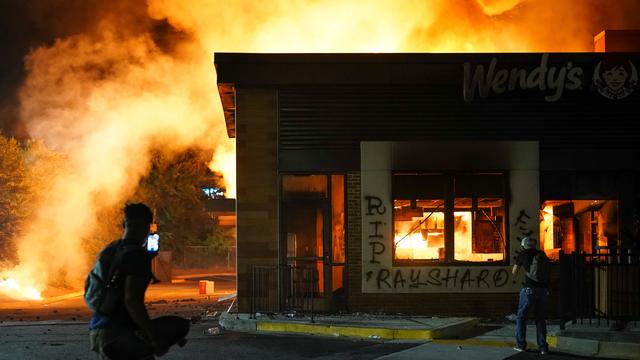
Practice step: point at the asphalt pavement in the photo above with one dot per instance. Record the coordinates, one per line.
(70, 341)
(57, 329)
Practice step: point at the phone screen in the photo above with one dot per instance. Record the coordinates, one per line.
(153, 242)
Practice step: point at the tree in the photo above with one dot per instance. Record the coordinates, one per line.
(12, 192)
(25, 172)
(173, 189)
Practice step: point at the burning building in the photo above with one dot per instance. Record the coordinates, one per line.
(406, 181)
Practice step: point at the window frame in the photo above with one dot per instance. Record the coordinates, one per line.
(449, 209)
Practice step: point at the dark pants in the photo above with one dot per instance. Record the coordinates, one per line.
(538, 299)
(115, 342)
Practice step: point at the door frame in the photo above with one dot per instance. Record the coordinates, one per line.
(327, 300)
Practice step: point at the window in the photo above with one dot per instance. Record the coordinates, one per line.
(479, 229)
(445, 217)
(304, 186)
(419, 229)
(589, 226)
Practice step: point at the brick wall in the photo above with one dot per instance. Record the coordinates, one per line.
(257, 181)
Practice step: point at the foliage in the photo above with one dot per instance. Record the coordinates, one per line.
(173, 189)
(12, 191)
(25, 170)
(218, 240)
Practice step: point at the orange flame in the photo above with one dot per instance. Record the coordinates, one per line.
(14, 286)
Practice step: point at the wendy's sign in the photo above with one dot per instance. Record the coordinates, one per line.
(615, 77)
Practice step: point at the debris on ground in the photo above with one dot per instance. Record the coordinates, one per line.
(212, 331)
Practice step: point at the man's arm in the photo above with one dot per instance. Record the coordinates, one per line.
(518, 263)
(515, 269)
(134, 289)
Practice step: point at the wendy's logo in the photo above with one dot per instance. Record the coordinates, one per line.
(615, 77)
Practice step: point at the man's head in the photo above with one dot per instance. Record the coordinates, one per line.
(528, 243)
(137, 221)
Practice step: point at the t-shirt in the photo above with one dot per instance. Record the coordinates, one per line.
(134, 263)
(524, 259)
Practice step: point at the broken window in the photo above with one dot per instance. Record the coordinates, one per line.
(419, 229)
(439, 217)
(588, 226)
(479, 229)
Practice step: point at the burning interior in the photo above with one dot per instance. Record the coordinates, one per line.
(313, 226)
(465, 218)
(589, 226)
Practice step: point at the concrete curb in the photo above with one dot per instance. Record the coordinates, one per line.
(368, 332)
(609, 349)
(551, 340)
(571, 345)
(578, 346)
(231, 322)
(444, 334)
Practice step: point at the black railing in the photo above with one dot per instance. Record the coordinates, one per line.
(264, 289)
(298, 287)
(599, 287)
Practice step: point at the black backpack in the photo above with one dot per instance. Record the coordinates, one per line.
(103, 286)
(540, 268)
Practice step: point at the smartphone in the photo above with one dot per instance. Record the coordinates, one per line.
(153, 242)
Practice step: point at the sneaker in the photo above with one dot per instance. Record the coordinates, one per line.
(544, 352)
(518, 349)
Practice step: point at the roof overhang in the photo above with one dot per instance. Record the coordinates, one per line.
(228, 97)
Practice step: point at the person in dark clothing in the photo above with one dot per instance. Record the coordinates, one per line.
(533, 294)
(128, 332)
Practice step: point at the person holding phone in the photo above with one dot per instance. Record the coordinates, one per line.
(128, 332)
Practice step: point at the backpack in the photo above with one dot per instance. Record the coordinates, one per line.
(540, 268)
(103, 286)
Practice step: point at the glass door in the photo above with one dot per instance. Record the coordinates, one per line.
(312, 237)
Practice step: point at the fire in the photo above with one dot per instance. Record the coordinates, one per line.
(422, 238)
(224, 161)
(13, 286)
(112, 91)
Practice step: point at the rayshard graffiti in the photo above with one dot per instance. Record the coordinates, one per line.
(440, 277)
(379, 274)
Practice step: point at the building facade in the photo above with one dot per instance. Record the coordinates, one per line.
(406, 181)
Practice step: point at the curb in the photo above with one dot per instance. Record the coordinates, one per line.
(571, 345)
(365, 332)
(618, 350)
(551, 340)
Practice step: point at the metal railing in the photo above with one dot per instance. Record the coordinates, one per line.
(599, 287)
(264, 289)
(284, 288)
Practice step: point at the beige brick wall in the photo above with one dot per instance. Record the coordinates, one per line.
(257, 181)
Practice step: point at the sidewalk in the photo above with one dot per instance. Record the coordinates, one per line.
(599, 340)
(445, 334)
(357, 326)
